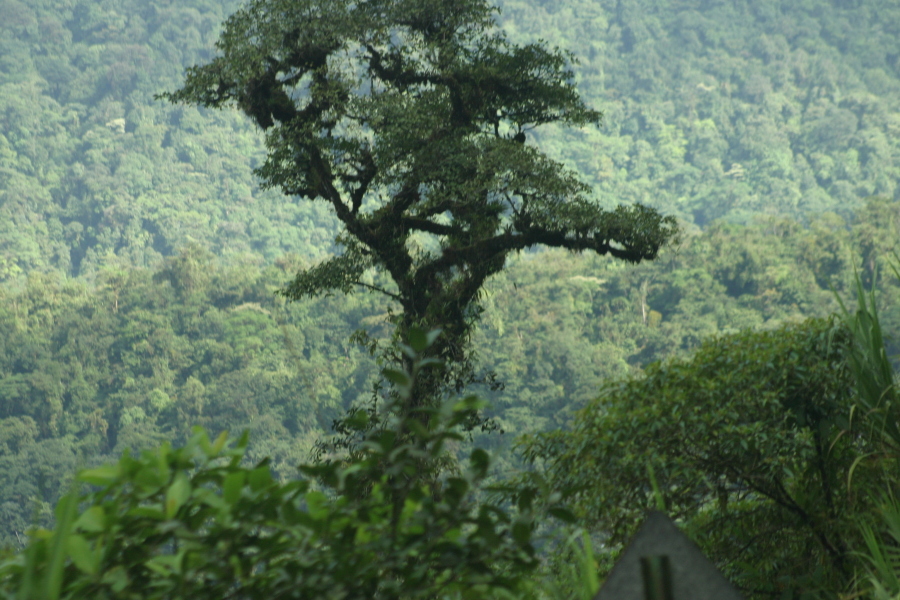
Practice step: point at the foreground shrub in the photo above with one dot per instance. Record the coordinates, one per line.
(196, 522)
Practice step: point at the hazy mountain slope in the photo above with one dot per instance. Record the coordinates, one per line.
(730, 108)
(713, 109)
(93, 169)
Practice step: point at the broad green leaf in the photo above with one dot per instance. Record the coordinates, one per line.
(65, 516)
(480, 461)
(232, 486)
(116, 578)
(397, 377)
(418, 340)
(83, 556)
(563, 514)
(259, 478)
(177, 494)
(153, 511)
(219, 444)
(167, 564)
(317, 504)
(92, 520)
(104, 475)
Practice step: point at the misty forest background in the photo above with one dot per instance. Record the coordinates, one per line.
(139, 257)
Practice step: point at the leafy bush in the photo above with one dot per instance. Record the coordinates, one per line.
(745, 438)
(196, 522)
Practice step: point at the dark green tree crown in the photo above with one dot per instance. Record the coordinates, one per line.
(408, 117)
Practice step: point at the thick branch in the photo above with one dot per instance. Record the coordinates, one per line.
(427, 226)
(509, 241)
(404, 199)
(324, 180)
(783, 498)
(364, 177)
(375, 288)
(396, 74)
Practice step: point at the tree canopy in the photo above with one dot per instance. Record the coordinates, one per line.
(736, 110)
(410, 119)
(751, 447)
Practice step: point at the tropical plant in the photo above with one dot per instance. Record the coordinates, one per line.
(196, 522)
(876, 413)
(877, 396)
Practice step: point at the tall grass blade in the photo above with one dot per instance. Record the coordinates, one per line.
(874, 374)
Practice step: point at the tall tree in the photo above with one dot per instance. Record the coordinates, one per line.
(410, 119)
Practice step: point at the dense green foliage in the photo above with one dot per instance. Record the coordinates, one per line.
(558, 326)
(86, 371)
(743, 438)
(878, 408)
(711, 109)
(730, 109)
(94, 172)
(193, 522)
(777, 450)
(753, 434)
(139, 259)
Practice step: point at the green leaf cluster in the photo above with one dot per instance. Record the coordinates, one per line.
(195, 522)
(747, 441)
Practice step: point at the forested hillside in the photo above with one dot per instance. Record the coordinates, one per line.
(140, 258)
(730, 109)
(96, 172)
(712, 109)
(141, 355)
